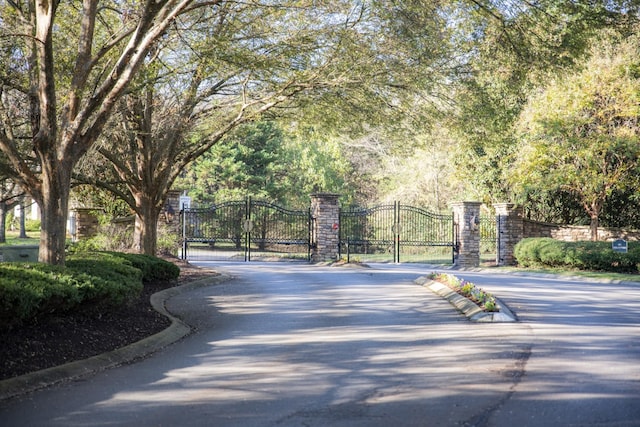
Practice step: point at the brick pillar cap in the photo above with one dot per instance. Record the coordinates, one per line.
(325, 195)
(465, 203)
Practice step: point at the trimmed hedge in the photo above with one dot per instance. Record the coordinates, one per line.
(153, 269)
(103, 279)
(583, 255)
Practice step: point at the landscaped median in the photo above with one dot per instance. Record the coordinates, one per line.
(473, 302)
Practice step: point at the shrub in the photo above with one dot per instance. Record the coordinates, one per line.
(168, 239)
(110, 237)
(21, 292)
(102, 279)
(29, 290)
(583, 255)
(32, 225)
(152, 268)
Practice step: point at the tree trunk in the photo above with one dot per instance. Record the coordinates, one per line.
(54, 205)
(593, 209)
(3, 222)
(594, 227)
(23, 220)
(145, 235)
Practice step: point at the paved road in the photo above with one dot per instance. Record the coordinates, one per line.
(299, 345)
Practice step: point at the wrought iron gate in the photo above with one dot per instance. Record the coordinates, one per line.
(397, 232)
(489, 241)
(244, 228)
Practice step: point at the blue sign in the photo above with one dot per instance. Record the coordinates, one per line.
(619, 245)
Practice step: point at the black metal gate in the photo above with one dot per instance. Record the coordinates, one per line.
(397, 232)
(489, 241)
(243, 229)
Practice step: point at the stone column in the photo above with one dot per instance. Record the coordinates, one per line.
(325, 212)
(86, 223)
(510, 231)
(466, 216)
(171, 211)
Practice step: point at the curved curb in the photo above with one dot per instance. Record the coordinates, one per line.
(33, 381)
(467, 307)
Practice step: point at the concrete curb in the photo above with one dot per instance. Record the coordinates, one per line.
(33, 381)
(466, 306)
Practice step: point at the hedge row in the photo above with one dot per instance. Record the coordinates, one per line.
(31, 290)
(583, 255)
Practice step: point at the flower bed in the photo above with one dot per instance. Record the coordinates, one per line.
(484, 300)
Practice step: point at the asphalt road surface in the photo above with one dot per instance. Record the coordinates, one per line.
(288, 344)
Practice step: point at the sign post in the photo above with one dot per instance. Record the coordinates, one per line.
(185, 202)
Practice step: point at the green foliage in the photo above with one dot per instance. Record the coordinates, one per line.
(32, 290)
(168, 240)
(32, 225)
(529, 49)
(508, 62)
(592, 256)
(27, 290)
(110, 237)
(242, 164)
(111, 205)
(263, 161)
(580, 136)
(106, 265)
(152, 268)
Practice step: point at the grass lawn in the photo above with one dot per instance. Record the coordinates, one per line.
(33, 238)
(574, 273)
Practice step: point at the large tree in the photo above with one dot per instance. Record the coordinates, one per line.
(520, 47)
(582, 134)
(342, 63)
(65, 65)
(269, 161)
(10, 196)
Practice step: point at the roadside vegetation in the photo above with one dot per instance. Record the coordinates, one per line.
(95, 280)
(583, 255)
(471, 291)
(596, 258)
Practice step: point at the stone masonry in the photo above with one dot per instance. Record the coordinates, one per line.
(467, 219)
(86, 222)
(510, 232)
(325, 212)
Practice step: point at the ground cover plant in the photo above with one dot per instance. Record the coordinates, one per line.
(484, 300)
(582, 255)
(90, 280)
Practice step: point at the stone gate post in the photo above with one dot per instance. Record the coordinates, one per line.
(510, 231)
(325, 212)
(84, 223)
(466, 216)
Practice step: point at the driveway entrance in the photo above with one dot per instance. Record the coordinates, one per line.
(292, 344)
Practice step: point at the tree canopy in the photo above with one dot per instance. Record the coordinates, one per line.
(66, 68)
(580, 135)
(149, 87)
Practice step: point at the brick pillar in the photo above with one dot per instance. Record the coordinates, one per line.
(325, 212)
(510, 231)
(466, 216)
(171, 210)
(86, 223)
